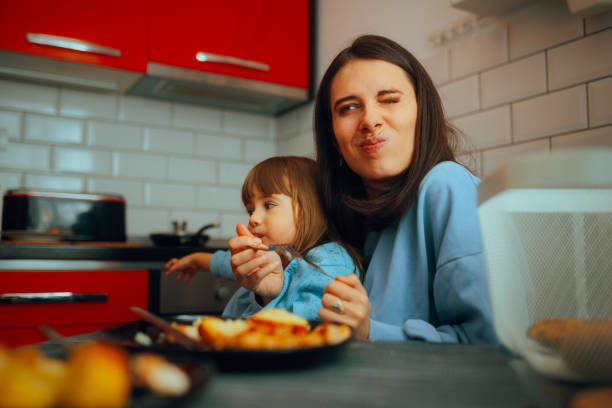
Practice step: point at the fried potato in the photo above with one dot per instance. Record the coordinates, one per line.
(270, 329)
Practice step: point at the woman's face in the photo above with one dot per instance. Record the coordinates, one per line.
(374, 112)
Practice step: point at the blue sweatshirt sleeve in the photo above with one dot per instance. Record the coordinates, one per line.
(303, 284)
(220, 265)
(427, 278)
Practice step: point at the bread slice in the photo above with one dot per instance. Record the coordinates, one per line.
(221, 333)
(279, 321)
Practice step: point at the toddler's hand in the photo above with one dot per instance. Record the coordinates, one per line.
(185, 267)
(259, 271)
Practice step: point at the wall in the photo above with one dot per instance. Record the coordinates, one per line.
(535, 79)
(170, 161)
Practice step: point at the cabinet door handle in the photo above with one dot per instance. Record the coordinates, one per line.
(71, 44)
(225, 59)
(51, 297)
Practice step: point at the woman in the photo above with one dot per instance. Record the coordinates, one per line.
(391, 186)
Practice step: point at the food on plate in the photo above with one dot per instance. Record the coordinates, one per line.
(221, 333)
(279, 321)
(190, 330)
(159, 375)
(95, 374)
(269, 329)
(588, 351)
(551, 332)
(28, 378)
(98, 376)
(599, 397)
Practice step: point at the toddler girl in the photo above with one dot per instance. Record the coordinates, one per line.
(280, 195)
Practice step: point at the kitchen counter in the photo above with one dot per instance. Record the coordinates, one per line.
(145, 256)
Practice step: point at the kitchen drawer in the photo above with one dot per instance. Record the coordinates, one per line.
(99, 298)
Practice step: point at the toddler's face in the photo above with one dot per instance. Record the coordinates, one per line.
(271, 218)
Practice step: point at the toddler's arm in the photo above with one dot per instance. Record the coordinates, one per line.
(188, 265)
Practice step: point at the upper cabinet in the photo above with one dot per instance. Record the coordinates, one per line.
(111, 33)
(251, 55)
(265, 40)
(99, 44)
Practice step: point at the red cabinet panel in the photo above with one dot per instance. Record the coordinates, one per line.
(115, 24)
(271, 32)
(122, 289)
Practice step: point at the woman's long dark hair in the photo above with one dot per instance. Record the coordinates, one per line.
(345, 202)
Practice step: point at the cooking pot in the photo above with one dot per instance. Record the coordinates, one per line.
(181, 238)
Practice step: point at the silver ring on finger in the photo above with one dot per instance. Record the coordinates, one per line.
(338, 306)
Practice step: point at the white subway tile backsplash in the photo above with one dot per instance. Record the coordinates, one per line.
(196, 220)
(581, 60)
(436, 66)
(247, 124)
(486, 129)
(287, 124)
(523, 78)
(483, 49)
(491, 159)
(557, 112)
(219, 147)
(62, 183)
(472, 161)
(9, 180)
(28, 97)
(460, 97)
(220, 198)
(132, 191)
(141, 165)
(114, 135)
(233, 174)
(88, 104)
(132, 109)
(144, 221)
(598, 22)
(229, 222)
(25, 157)
(11, 121)
(592, 138)
(256, 150)
(300, 145)
(193, 170)
(295, 121)
(600, 102)
(196, 117)
(170, 195)
(82, 161)
(168, 141)
(544, 24)
(306, 115)
(53, 129)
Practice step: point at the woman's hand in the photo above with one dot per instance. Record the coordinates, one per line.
(259, 271)
(345, 301)
(186, 267)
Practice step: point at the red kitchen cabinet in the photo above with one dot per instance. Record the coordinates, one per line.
(264, 40)
(114, 31)
(77, 301)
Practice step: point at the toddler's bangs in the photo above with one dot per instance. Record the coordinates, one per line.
(269, 178)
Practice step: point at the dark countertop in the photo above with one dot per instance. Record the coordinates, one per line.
(92, 252)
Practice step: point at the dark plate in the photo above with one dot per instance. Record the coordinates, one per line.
(229, 360)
